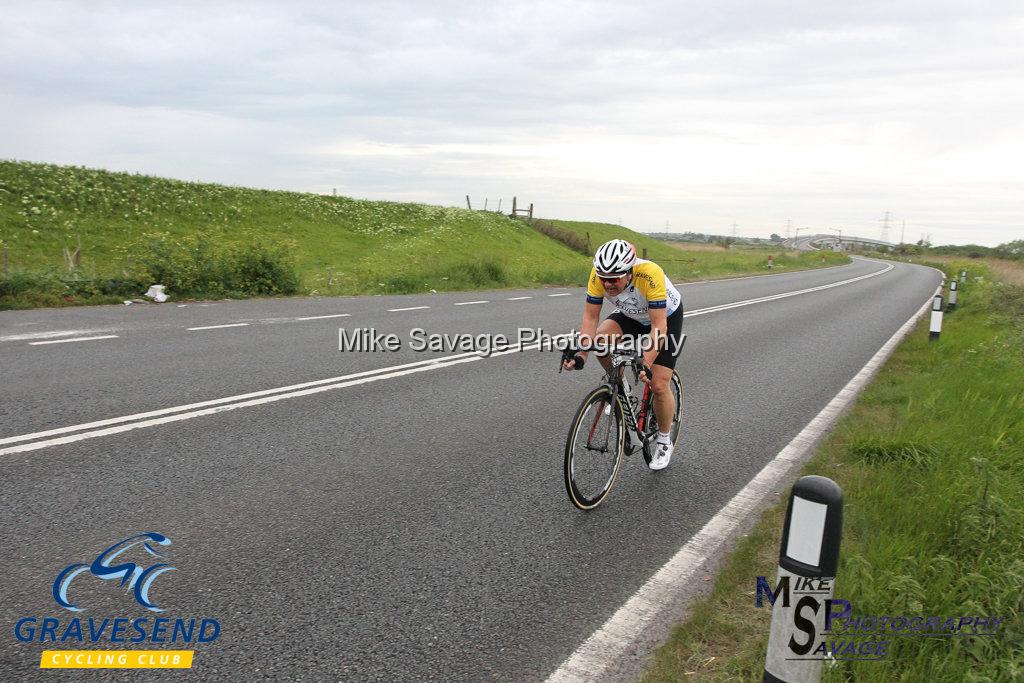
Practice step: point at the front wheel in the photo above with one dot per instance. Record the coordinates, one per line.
(593, 450)
(651, 428)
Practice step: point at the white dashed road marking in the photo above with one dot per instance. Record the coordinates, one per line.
(75, 339)
(324, 317)
(217, 327)
(411, 308)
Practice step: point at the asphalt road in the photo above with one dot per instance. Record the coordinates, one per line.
(408, 527)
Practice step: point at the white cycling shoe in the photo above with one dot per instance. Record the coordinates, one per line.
(662, 454)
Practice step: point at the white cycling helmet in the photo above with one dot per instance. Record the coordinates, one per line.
(615, 258)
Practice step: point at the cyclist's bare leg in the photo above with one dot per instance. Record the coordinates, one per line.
(608, 331)
(664, 401)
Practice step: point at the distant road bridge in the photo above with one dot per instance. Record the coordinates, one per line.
(832, 242)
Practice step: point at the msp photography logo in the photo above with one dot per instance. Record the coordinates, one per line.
(114, 565)
(848, 636)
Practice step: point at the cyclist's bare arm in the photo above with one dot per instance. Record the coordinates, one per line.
(588, 328)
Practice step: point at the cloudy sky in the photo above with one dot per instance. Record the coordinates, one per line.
(694, 115)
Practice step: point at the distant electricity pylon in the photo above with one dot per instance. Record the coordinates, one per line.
(885, 227)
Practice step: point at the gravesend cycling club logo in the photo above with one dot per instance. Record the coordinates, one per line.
(137, 578)
(132, 565)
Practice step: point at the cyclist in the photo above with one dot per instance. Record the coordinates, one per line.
(645, 303)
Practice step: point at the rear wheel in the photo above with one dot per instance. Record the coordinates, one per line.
(593, 450)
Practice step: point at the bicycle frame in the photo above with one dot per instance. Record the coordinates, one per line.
(635, 415)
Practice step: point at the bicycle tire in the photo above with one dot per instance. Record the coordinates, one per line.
(592, 466)
(676, 384)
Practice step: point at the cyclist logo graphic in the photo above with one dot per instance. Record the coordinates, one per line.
(132, 575)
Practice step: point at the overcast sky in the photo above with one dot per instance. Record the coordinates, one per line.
(700, 115)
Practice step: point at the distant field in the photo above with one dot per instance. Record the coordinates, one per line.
(206, 240)
(688, 262)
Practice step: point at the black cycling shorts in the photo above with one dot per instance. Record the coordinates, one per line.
(667, 356)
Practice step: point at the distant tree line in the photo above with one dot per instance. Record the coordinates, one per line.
(1008, 250)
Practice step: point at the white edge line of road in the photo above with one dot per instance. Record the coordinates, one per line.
(663, 592)
(188, 411)
(73, 339)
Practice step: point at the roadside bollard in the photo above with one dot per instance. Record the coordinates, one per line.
(963, 277)
(935, 328)
(808, 561)
(771, 262)
(952, 295)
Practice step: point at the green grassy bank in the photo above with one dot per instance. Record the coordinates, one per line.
(136, 230)
(931, 461)
(71, 235)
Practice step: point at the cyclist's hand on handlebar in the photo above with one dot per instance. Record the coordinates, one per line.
(646, 374)
(572, 361)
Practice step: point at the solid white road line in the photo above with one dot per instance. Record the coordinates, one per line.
(325, 317)
(749, 302)
(411, 308)
(288, 391)
(217, 327)
(220, 409)
(748, 277)
(75, 339)
(228, 399)
(661, 595)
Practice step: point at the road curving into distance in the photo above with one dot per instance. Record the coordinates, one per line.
(389, 515)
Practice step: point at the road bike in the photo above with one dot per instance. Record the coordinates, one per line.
(612, 422)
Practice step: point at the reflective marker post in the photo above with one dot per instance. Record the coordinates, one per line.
(963, 276)
(952, 295)
(935, 328)
(808, 562)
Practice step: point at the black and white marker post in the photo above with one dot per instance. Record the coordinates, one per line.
(936, 324)
(952, 295)
(808, 561)
(963, 276)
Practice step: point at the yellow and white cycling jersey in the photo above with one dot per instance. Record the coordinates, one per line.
(649, 289)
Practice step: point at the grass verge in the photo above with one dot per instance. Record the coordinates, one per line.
(931, 461)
